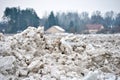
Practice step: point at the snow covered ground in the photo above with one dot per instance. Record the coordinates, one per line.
(33, 55)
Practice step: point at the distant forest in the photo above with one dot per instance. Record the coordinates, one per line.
(15, 20)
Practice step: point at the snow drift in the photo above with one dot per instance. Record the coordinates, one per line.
(33, 55)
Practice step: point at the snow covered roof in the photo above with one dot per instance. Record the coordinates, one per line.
(55, 29)
(59, 28)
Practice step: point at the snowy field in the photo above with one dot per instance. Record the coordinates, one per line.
(33, 55)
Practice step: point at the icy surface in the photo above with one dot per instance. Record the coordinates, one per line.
(33, 55)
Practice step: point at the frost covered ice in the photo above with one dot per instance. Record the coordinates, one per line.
(33, 55)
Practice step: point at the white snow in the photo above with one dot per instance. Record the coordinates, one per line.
(34, 55)
(59, 28)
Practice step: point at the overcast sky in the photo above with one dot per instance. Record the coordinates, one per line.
(45, 6)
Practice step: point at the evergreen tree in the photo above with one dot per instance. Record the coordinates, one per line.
(51, 21)
(108, 21)
(71, 27)
(12, 14)
(96, 18)
(20, 19)
(116, 28)
(117, 20)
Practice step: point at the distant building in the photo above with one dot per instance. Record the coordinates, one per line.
(93, 28)
(55, 29)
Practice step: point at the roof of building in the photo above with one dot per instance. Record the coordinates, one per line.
(94, 26)
(59, 28)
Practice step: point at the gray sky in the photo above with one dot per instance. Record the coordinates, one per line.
(45, 6)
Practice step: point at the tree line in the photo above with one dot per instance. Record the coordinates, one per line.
(15, 20)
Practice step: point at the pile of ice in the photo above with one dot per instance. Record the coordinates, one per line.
(33, 55)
